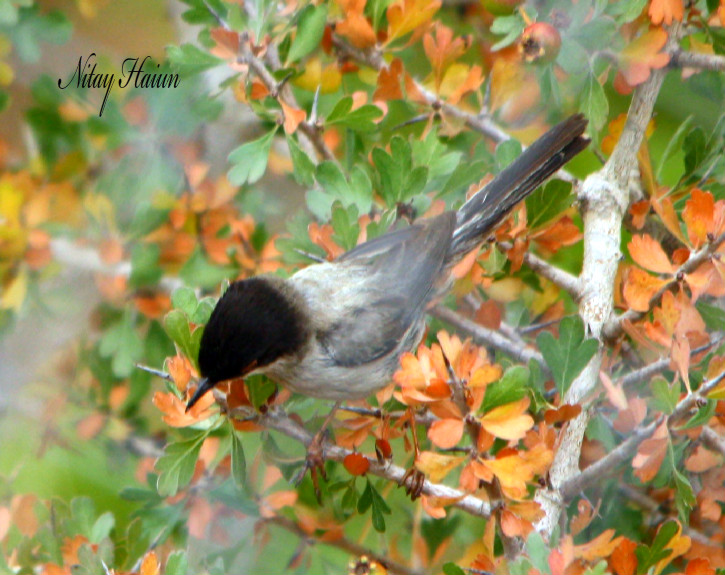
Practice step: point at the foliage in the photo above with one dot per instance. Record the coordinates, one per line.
(380, 111)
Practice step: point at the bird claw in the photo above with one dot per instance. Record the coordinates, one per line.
(413, 481)
(315, 462)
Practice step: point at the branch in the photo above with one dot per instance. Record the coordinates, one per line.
(478, 122)
(697, 60)
(343, 543)
(604, 198)
(276, 419)
(625, 450)
(282, 91)
(712, 440)
(485, 336)
(563, 279)
(661, 365)
(614, 328)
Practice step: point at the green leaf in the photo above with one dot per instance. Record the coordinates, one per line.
(358, 191)
(199, 271)
(178, 329)
(123, 345)
(649, 556)
(538, 552)
(510, 388)
(176, 465)
(694, 146)
(360, 120)
(573, 57)
(32, 26)
(249, 161)
(547, 203)
(366, 499)
(145, 269)
(345, 225)
(310, 28)
(177, 563)
(452, 569)
(102, 527)
(713, 316)
(684, 496)
(303, 168)
(506, 152)
(239, 462)
(702, 416)
(398, 179)
(510, 27)
(569, 354)
(664, 395)
(593, 102)
(190, 59)
(674, 145)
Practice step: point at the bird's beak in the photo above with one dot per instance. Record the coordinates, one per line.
(204, 386)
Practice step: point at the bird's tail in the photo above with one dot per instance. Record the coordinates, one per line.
(487, 208)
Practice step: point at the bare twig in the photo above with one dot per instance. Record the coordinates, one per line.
(563, 279)
(683, 59)
(343, 543)
(712, 440)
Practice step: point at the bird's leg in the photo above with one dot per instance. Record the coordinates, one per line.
(413, 479)
(315, 459)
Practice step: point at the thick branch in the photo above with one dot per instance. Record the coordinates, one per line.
(604, 197)
(614, 327)
(484, 336)
(343, 543)
(683, 59)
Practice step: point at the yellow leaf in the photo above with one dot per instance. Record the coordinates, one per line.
(405, 16)
(14, 295)
(436, 465)
(328, 79)
(509, 421)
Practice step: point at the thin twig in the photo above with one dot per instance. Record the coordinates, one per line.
(683, 59)
(561, 278)
(343, 543)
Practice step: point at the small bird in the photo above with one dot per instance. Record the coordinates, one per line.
(336, 330)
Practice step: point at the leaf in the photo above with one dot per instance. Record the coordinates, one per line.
(506, 152)
(510, 422)
(355, 26)
(674, 145)
(399, 180)
(510, 27)
(547, 203)
(651, 454)
(360, 119)
(538, 552)
(648, 253)
(624, 559)
(698, 216)
(569, 354)
(177, 563)
(446, 433)
(199, 271)
(239, 462)
(249, 161)
(640, 287)
(436, 465)
(310, 28)
(405, 16)
(189, 59)
(176, 465)
(145, 269)
(123, 345)
(370, 498)
(666, 11)
(303, 169)
(452, 569)
(643, 55)
(684, 495)
(593, 102)
(511, 387)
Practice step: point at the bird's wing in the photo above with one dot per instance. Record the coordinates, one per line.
(397, 275)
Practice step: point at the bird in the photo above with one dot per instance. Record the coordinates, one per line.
(335, 330)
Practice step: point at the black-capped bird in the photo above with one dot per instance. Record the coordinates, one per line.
(336, 330)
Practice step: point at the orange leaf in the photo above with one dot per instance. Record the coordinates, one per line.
(562, 414)
(356, 464)
(509, 421)
(702, 459)
(680, 356)
(698, 215)
(651, 454)
(585, 515)
(227, 43)
(442, 49)
(174, 409)
(624, 560)
(643, 55)
(648, 253)
(389, 82)
(699, 566)
(514, 526)
(292, 117)
(405, 16)
(355, 26)
(639, 288)
(598, 548)
(665, 11)
(561, 233)
(150, 564)
(446, 433)
(639, 211)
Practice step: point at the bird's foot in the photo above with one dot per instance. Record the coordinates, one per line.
(413, 481)
(315, 462)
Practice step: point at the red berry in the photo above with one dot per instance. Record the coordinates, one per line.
(356, 464)
(540, 42)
